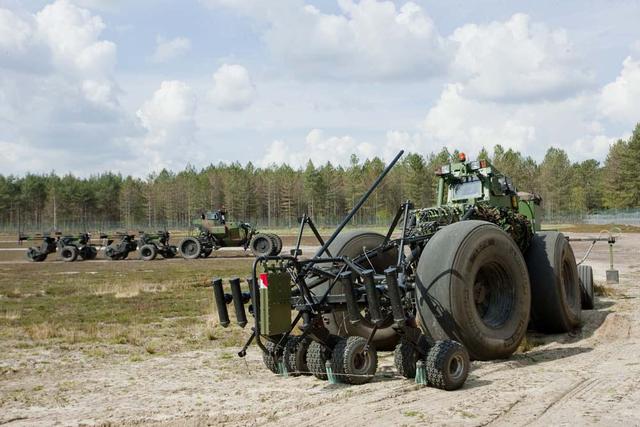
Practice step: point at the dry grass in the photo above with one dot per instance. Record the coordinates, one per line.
(528, 343)
(603, 290)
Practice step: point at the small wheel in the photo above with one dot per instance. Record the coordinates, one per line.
(35, 255)
(69, 253)
(148, 252)
(92, 253)
(190, 248)
(269, 360)
(317, 356)
(262, 245)
(405, 357)
(350, 358)
(447, 365)
(295, 355)
(586, 286)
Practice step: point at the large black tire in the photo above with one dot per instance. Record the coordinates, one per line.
(170, 252)
(405, 357)
(586, 287)
(350, 244)
(69, 253)
(472, 286)
(555, 285)
(190, 248)
(148, 252)
(317, 356)
(277, 243)
(447, 365)
(295, 355)
(206, 252)
(261, 245)
(93, 253)
(352, 364)
(268, 359)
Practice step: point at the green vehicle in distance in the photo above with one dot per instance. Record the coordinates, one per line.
(212, 232)
(152, 245)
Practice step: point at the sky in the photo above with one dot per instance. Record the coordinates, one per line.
(135, 86)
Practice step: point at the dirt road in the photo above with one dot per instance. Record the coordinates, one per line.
(589, 377)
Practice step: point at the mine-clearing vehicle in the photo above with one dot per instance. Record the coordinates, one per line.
(213, 232)
(152, 245)
(462, 280)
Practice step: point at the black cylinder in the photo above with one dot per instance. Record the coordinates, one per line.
(373, 298)
(218, 296)
(236, 294)
(346, 280)
(394, 295)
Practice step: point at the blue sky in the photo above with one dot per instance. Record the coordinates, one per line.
(135, 86)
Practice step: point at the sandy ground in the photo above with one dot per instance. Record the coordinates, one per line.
(589, 377)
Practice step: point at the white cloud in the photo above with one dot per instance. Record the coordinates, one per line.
(167, 50)
(516, 60)
(169, 120)
(232, 88)
(367, 39)
(620, 99)
(319, 149)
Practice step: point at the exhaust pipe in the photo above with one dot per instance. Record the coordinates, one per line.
(221, 301)
(238, 303)
(346, 280)
(394, 296)
(373, 298)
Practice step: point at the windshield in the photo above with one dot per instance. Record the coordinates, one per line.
(466, 190)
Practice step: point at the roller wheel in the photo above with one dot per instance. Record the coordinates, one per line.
(447, 365)
(88, 252)
(69, 253)
(190, 248)
(295, 355)
(472, 286)
(277, 244)
(206, 252)
(317, 356)
(351, 244)
(405, 357)
(148, 252)
(555, 284)
(261, 245)
(586, 286)
(269, 360)
(35, 255)
(352, 364)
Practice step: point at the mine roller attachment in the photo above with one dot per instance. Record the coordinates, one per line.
(472, 286)
(295, 355)
(555, 283)
(352, 244)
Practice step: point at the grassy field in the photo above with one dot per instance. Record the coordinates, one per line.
(128, 308)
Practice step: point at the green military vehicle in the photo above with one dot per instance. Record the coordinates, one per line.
(212, 232)
(462, 280)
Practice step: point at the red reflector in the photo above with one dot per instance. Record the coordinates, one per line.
(264, 280)
(462, 157)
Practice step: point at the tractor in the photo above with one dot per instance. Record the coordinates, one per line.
(212, 232)
(462, 280)
(121, 248)
(153, 244)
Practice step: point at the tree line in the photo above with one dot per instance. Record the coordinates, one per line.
(276, 196)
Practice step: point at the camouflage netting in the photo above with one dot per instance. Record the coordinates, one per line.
(428, 220)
